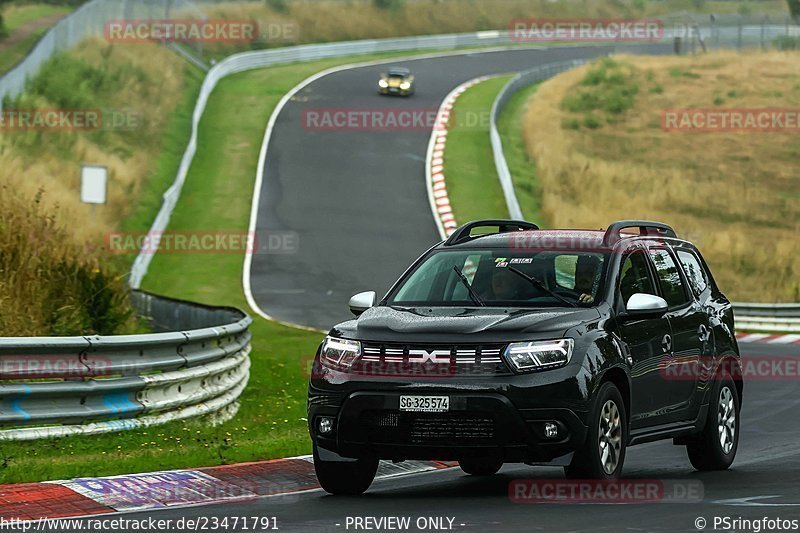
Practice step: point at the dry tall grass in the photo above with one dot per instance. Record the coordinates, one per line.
(52, 279)
(141, 78)
(737, 195)
(49, 284)
(321, 21)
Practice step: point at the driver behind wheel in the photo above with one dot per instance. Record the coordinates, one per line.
(585, 275)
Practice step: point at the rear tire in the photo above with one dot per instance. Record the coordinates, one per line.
(481, 466)
(604, 453)
(715, 448)
(345, 477)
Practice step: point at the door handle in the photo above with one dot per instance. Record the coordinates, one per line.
(666, 343)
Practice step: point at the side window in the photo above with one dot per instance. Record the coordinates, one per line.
(694, 271)
(669, 279)
(635, 276)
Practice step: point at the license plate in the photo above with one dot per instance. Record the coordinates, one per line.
(425, 404)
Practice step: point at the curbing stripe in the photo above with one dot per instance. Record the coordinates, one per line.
(175, 488)
(434, 162)
(768, 338)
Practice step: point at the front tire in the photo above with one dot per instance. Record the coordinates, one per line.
(346, 478)
(604, 453)
(715, 448)
(481, 466)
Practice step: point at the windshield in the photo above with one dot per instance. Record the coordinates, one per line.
(497, 278)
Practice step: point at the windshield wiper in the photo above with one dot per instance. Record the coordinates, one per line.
(471, 292)
(541, 286)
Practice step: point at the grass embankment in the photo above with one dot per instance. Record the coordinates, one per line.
(49, 283)
(472, 183)
(286, 22)
(217, 196)
(25, 24)
(601, 154)
(56, 278)
(142, 86)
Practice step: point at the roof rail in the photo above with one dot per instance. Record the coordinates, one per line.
(646, 227)
(463, 234)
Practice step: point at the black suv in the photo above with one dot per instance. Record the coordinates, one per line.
(507, 343)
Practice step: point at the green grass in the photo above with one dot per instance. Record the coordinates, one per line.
(15, 54)
(176, 136)
(19, 16)
(23, 14)
(472, 183)
(523, 170)
(217, 196)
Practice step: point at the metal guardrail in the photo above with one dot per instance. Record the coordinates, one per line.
(767, 317)
(196, 364)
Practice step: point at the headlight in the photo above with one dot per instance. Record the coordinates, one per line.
(383, 83)
(339, 354)
(405, 85)
(538, 355)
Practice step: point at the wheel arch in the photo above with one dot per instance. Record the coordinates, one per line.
(619, 378)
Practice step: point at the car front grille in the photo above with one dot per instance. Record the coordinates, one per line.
(393, 427)
(431, 360)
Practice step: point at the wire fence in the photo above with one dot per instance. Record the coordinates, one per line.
(88, 21)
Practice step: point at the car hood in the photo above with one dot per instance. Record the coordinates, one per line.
(458, 324)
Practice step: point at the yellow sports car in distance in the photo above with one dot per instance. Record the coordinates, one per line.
(397, 80)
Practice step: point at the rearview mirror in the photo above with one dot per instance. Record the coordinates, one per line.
(361, 302)
(645, 305)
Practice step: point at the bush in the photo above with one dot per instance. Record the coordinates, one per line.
(387, 4)
(51, 285)
(279, 6)
(591, 121)
(608, 86)
(786, 42)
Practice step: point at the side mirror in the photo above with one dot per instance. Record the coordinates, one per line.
(642, 305)
(361, 302)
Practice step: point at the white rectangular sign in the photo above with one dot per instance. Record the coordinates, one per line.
(93, 184)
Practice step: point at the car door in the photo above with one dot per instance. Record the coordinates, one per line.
(643, 342)
(689, 327)
(699, 287)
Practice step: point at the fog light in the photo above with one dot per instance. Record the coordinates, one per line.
(550, 430)
(325, 425)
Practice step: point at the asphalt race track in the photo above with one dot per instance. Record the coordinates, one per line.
(761, 483)
(357, 200)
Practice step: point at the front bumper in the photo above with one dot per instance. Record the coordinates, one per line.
(395, 91)
(478, 423)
